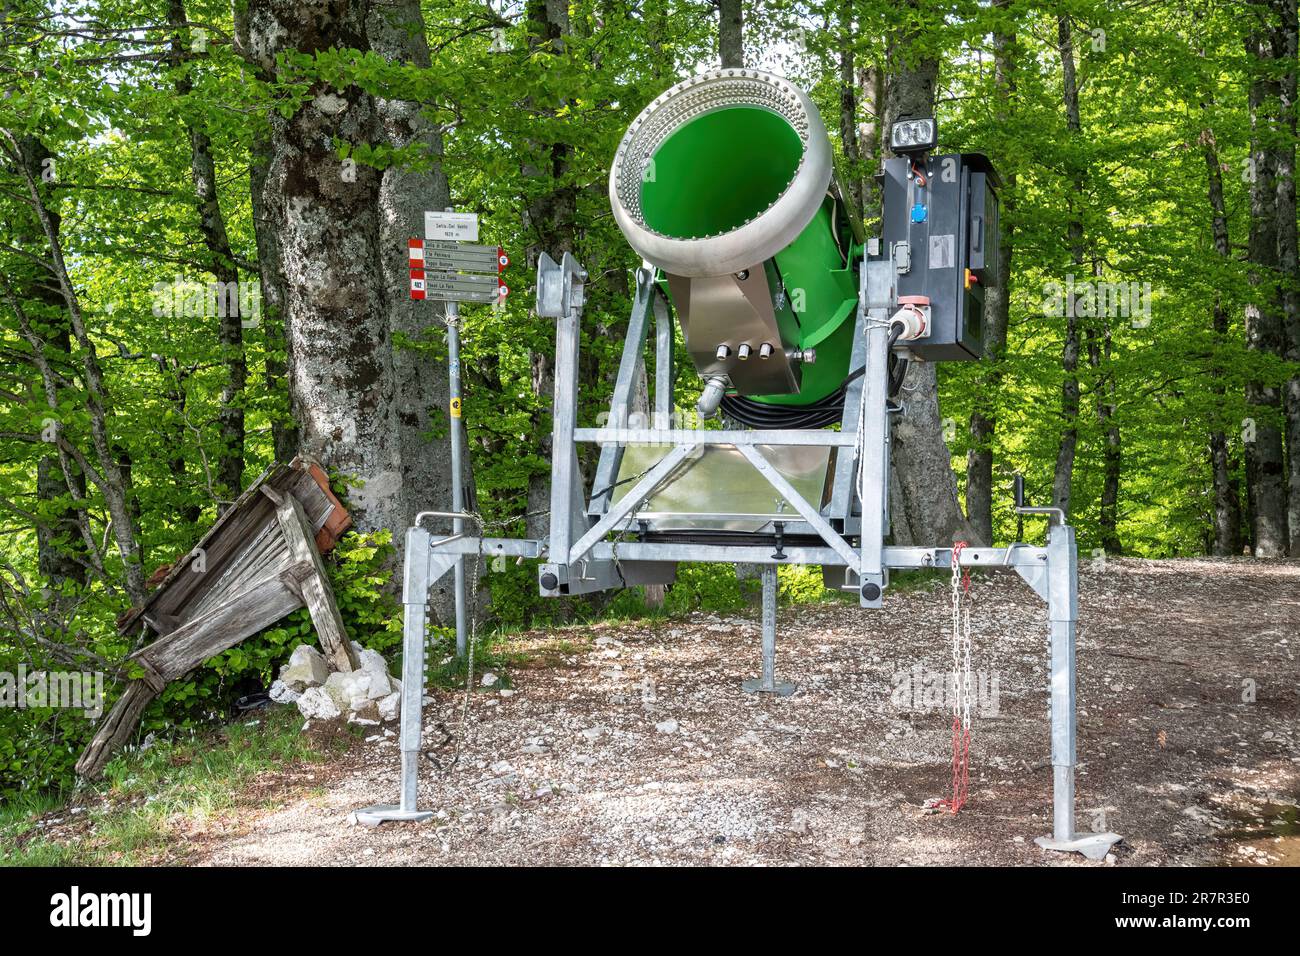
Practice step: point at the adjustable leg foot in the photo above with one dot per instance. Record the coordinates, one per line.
(379, 813)
(768, 684)
(1064, 839)
(1094, 846)
(384, 812)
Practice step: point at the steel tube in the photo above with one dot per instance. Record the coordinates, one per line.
(688, 436)
(415, 596)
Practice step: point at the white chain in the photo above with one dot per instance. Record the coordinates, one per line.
(961, 646)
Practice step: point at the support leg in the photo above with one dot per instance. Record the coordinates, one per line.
(767, 684)
(415, 597)
(1063, 612)
(873, 463)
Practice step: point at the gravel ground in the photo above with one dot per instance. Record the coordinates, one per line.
(632, 743)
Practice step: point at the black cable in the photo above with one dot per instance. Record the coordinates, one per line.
(753, 414)
(818, 414)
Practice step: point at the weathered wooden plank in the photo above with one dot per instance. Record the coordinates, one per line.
(182, 585)
(223, 627)
(263, 556)
(181, 589)
(116, 729)
(162, 623)
(315, 589)
(241, 561)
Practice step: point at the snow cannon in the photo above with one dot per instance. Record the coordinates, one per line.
(725, 184)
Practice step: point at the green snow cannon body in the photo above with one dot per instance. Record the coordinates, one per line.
(725, 184)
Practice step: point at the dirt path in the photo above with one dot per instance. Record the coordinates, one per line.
(577, 764)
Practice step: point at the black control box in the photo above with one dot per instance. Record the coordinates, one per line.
(940, 224)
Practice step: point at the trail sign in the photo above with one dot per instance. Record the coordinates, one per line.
(445, 271)
(457, 255)
(451, 226)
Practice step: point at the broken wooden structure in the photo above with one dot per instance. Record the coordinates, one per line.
(260, 561)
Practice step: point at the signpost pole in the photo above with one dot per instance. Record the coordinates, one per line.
(457, 455)
(448, 266)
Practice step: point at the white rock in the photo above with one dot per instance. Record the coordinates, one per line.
(282, 693)
(316, 704)
(351, 690)
(390, 707)
(592, 733)
(379, 687)
(343, 689)
(507, 692)
(666, 727)
(489, 679)
(306, 668)
(373, 662)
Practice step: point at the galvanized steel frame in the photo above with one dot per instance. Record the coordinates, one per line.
(580, 559)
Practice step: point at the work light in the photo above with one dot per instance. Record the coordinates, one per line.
(913, 135)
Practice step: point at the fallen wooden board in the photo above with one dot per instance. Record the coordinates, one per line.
(267, 565)
(205, 569)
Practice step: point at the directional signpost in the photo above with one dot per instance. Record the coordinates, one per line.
(448, 266)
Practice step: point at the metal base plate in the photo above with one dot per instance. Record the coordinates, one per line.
(383, 812)
(1094, 846)
(755, 685)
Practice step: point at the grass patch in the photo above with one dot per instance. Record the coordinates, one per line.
(447, 671)
(149, 802)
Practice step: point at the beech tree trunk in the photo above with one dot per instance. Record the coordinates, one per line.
(731, 33)
(1285, 48)
(1227, 498)
(62, 553)
(220, 261)
(284, 431)
(871, 105)
(1265, 479)
(341, 228)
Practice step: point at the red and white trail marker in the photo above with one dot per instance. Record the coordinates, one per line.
(415, 259)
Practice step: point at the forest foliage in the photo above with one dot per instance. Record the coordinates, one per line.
(129, 414)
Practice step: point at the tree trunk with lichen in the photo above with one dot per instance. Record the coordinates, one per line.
(341, 228)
